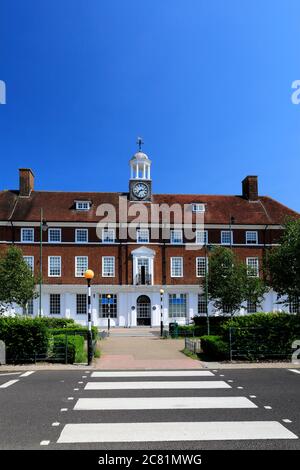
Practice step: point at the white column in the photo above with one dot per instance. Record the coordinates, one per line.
(144, 171)
(148, 172)
(137, 170)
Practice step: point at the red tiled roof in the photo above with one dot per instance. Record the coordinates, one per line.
(59, 207)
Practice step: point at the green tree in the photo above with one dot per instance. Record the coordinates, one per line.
(17, 284)
(283, 264)
(230, 282)
(255, 289)
(226, 280)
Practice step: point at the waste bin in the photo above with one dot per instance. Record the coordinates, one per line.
(173, 329)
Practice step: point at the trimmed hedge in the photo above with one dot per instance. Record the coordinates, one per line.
(58, 322)
(68, 349)
(75, 330)
(215, 347)
(30, 339)
(24, 338)
(262, 335)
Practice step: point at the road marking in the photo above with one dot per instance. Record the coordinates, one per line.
(252, 396)
(287, 420)
(44, 443)
(297, 371)
(80, 382)
(268, 407)
(55, 424)
(10, 373)
(230, 381)
(155, 385)
(162, 403)
(156, 373)
(174, 431)
(26, 374)
(240, 388)
(84, 376)
(75, 389)
(70, 398)
(9, 383)
(64, 409)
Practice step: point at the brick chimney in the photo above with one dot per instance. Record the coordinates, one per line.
(250, 188)
(26, 178)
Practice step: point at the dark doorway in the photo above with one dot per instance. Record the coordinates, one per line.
(143, 308)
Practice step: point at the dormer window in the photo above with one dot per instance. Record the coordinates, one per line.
(196, 207)
(83, 205)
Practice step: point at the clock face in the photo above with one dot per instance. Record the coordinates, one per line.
(140, 190)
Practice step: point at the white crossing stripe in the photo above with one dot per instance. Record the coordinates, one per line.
(156, 373)
(297, 371)
(174, 431)
(162, 403)
(10, 373)
(9, 383)
(29, 372)
(155, 385)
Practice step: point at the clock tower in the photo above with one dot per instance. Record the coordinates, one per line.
(140, 180)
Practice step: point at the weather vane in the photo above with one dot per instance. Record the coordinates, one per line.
(140, 142)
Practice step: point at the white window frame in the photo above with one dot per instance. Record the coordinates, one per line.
(81, 304)
(182, 296)
(30, 307)
(202, 232)
(250, 258)
(109, 230)
(81, 273)
(172, 260)
(52, 229)
(198, 207)
(223, 232)
(54, 293)
(49, 266)
(142, 239)
(256, 237)
(83, 205)
(29, 260)
(202, 301)
(23, 231)
(173, 231)
(250, 305)
(81, 230)
(106, 273)
(205, 265)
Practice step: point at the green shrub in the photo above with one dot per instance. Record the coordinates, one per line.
(58, 322)
(215, 347)
(215, 324)
(262, 335)
(25, 338)
(75, 330)
(68, 349)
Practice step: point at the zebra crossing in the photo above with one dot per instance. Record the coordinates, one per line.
(196, 392)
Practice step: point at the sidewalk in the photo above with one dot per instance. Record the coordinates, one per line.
(142, 349)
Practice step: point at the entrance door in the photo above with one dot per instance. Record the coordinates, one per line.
(143, 314)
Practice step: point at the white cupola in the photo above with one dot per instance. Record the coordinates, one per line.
(140, 164)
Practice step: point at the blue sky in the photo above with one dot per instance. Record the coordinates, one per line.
(206, 83)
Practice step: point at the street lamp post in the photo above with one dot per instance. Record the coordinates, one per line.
(89, 274)
(108, 319)
(207, 249)
(43, 228)
(161, 312)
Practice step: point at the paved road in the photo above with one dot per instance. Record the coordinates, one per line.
(176, 410)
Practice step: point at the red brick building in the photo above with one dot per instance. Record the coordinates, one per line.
(137, 243)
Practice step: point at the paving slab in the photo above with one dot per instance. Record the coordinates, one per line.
(143, 352)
